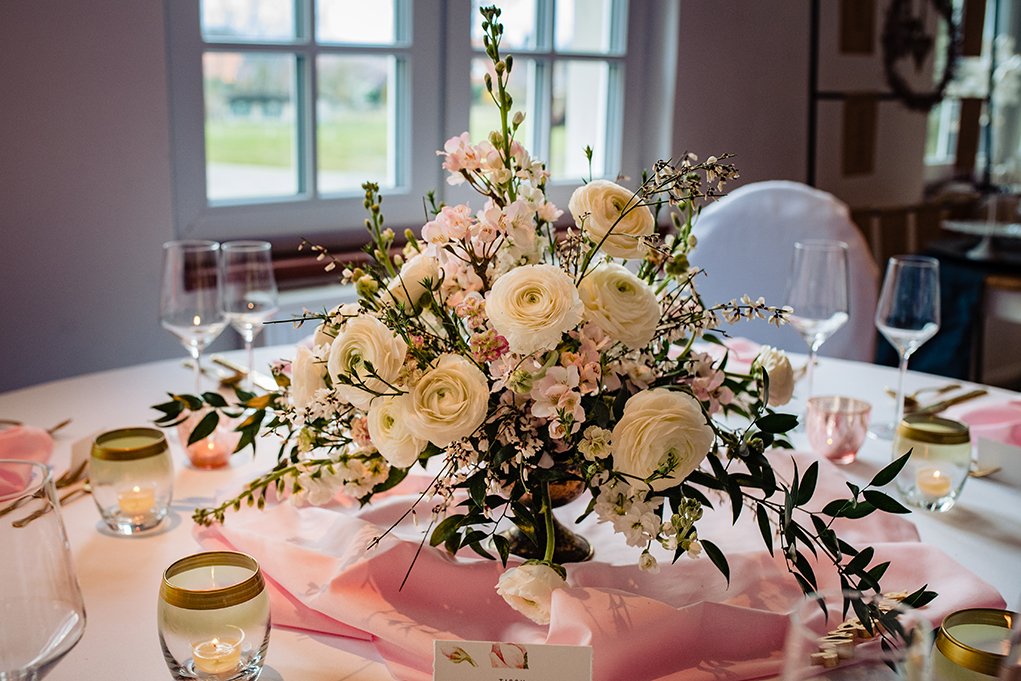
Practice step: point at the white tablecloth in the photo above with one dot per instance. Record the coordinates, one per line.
(120, 576)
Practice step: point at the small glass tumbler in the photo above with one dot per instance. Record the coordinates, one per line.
(940, 460)
(214, 450)
(837, 426)
(213, 617)
(132, 478)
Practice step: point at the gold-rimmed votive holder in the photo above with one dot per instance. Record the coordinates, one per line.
(131, 474)
(213, 617)
(972, 644)
(939, 463)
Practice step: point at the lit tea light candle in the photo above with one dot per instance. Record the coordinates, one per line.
(218, 655)
(933, 482)
(137, 500)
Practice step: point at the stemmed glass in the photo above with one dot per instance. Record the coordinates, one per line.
(190, 296)
(817, 292)
(249, 290)
(907, 315)
(41, 601)
(895, 646)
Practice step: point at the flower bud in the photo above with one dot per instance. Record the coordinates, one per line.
(366, 287)
(519, 117)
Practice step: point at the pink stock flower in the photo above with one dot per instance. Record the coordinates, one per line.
(460, 155)
(360, 432)
(488, 345)
(472, 309)
(555, 394)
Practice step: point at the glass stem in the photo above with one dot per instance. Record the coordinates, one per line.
(249, 351)
(902, 371)
(810, 370)
(196, 355)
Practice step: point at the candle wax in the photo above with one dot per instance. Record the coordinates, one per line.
(933, 482)
(136, 501)
(216, 656)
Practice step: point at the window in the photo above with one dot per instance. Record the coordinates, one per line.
(280, 109)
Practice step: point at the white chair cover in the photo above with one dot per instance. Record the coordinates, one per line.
(745, 245)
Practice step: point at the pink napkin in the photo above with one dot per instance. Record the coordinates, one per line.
(683, 623)
(998, 421)
(25, 443)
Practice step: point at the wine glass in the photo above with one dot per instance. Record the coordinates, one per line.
(40, 599)
(830, 641)
(249, 290)
(190, 296)
(817, 292)
(907, 315)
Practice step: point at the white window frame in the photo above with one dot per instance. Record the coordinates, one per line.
(436, 51)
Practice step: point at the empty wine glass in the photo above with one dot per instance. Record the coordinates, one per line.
(895, 645)
(907, 315)
(817, 292)
(40, 600)
(190, 296)
(249, 290)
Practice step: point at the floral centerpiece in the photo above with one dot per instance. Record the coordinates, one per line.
(508, 359)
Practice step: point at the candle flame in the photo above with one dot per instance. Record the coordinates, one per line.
(136, 490)
(196, 320)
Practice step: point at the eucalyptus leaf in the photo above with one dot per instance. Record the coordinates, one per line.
(204, 428)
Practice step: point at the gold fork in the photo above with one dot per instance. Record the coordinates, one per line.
(81, 491)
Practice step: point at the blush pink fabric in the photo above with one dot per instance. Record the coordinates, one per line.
(24, 443)
(683, 623)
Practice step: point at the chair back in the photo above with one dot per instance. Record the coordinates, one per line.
(745, 245)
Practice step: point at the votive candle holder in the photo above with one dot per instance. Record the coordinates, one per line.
(213, 617)
(939, 463)
(132, 477)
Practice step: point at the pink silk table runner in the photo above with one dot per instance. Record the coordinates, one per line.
(683, 623)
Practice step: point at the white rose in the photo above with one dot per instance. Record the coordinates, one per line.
(529, 590)
(532, 306)
(307, 376)
(448, 403)
(620, 304)
(781, 375)
(407, 287)
(365, 340)
(598, 207)
(664, 430)
(390, 434)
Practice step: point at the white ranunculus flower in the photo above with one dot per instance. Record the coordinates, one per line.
(390, 434)
(532, 307)
(620, 304)
(781, 375)
(407, 287)
(307, 376)
(661, 429)
(448, 403)
(328, 330)
(365, 339)
(529, 590)
(597, 208)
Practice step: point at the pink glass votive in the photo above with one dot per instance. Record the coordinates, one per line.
(837, 426)
(214, 450)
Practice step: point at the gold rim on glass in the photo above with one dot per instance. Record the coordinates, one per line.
(100, 450)
(934, 430)
(212, 599)
(963, 655)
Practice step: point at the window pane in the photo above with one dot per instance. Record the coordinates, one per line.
(484, 117)
(582, 26)
(248, 19)
(578, 118)
(355, 135)
(518, 19)
(250, 125)
(355, 21)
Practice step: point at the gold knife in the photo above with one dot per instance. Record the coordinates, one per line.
(947, 403)
(260, 379)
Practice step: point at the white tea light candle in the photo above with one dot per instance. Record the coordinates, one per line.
(933, 482)
(136, 500)
(219, 655)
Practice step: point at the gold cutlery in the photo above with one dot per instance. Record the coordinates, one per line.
(983, 472)
(259, 379)
(227, 379)
(86, 488)
(947, 403)
(911, 401)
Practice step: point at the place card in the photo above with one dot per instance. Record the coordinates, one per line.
(491, 661)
